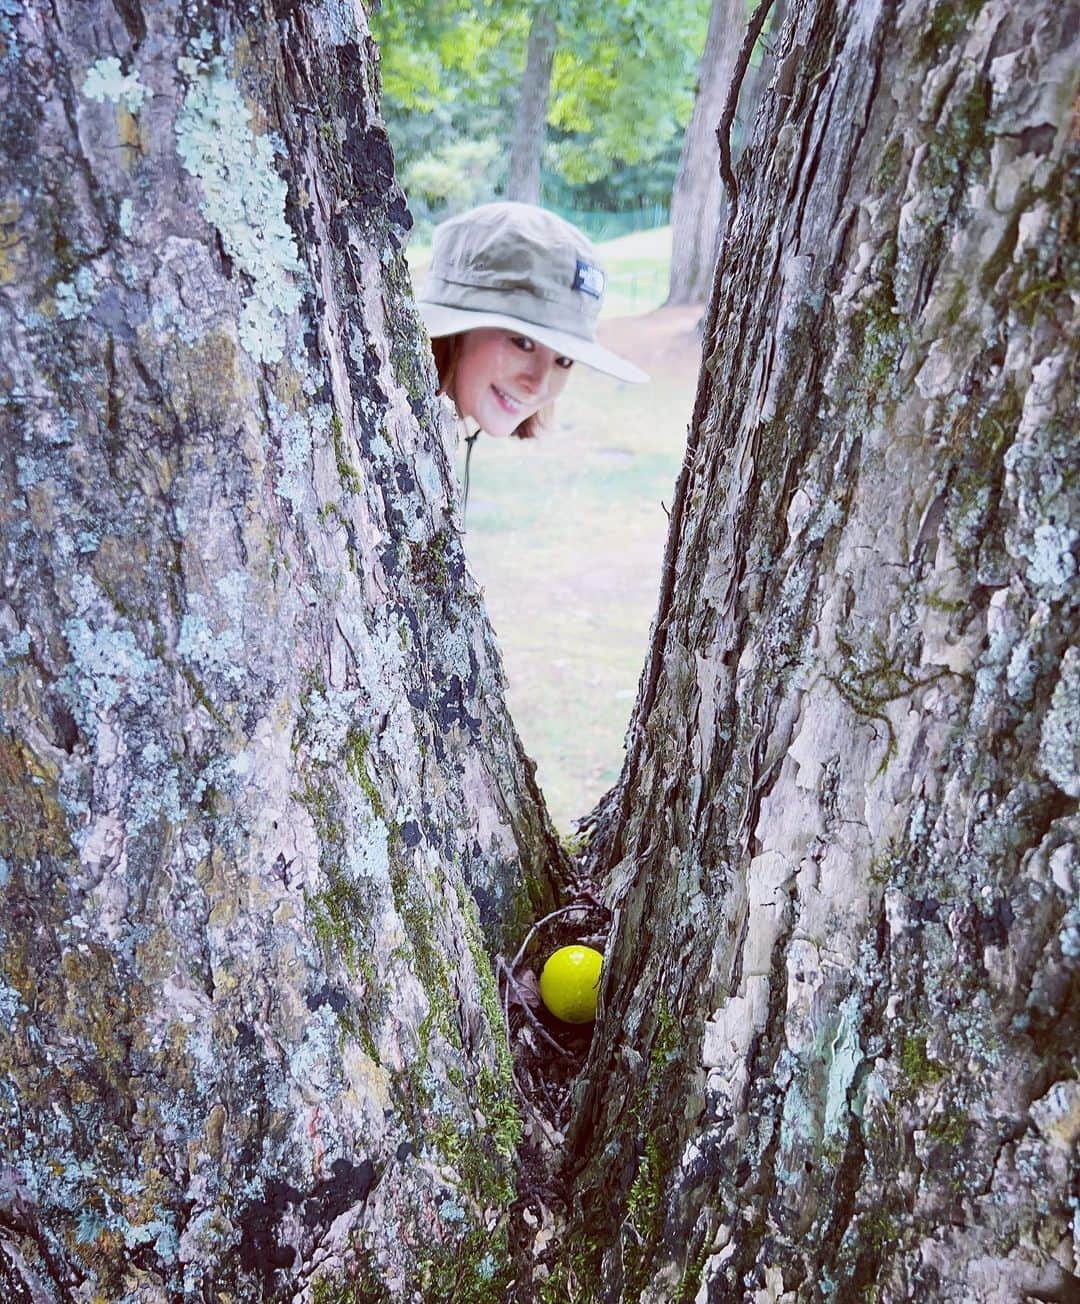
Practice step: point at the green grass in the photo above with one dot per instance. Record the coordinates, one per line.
(637, 267)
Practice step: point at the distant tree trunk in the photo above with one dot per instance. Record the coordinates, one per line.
(837, 1052)
(757, 77)
(695, 198)
(529, 125)
(260, 800)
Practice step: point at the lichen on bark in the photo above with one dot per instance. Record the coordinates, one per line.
(852, 760)
(265, 820)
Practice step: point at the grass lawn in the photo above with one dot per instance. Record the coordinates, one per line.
(637, 267)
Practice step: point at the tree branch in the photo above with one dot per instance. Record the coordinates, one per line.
(723, 131)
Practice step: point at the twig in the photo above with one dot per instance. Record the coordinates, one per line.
(547, 1129)
(510, 979)
(723, 131)
(539, 924)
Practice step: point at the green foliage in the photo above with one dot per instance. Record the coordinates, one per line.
(460, 174)
(429, 565)
(351, 479)
(474, 1270)
(621, 94)
(624, 88)
(433, 53)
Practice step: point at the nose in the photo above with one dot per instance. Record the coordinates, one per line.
(534, 374)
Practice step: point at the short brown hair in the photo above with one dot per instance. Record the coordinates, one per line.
(447, 351)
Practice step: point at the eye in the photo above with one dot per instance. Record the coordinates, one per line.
(565, 363)
(523, 343)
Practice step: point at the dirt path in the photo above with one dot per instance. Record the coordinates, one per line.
(667, 342)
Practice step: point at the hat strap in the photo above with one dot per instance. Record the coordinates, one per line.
(469, 441)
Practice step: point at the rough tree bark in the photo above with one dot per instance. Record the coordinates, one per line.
(696, 195)
(527, 142)
(260, 800)
(839, 1025)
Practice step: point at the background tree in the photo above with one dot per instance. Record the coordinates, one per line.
(263, 818)
(527, 142)
(837, 1056)
(696, 197)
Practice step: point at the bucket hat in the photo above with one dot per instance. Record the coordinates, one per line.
(520, 267)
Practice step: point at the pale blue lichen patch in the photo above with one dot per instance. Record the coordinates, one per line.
(75, 298)
(169, 315)
(797, 1126)
(325, 722)
(105, 664)
(845, 1058)
(244, 198)
(314, 1060)
(1051, 563)
(221, 773)
(11, 1004)
(1059, 747)
(296, 433)
(1022, 672)
(16, 647)
(106, 81)
(211, 651)
(994, 661)
(9, 11)
(89, 1227)
(451, 1212)
(310, 382)
(969, 522)
(127, 217)
(155, 791)
(67, 301)
(296, 448)
(159, 1231)
(29, 471)
(368, 849)
(1043, 534)
(92, 1224)
(233, 587)
(1070, 934)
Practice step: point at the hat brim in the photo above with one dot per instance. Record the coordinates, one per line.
(441, 320)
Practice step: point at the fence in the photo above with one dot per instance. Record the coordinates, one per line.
(598, 224)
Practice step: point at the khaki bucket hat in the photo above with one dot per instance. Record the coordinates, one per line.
(520, 267)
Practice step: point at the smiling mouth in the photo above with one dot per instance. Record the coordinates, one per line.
(509, 403)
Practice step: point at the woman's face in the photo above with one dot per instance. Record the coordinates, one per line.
(503, 378)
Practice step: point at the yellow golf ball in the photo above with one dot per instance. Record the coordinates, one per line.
(570, 983)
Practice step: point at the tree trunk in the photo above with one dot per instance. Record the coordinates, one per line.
(529, 125)
(263, 816)
(696, 196)
(839, 1024)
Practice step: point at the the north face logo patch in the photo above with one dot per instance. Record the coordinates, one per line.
(589, 279)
